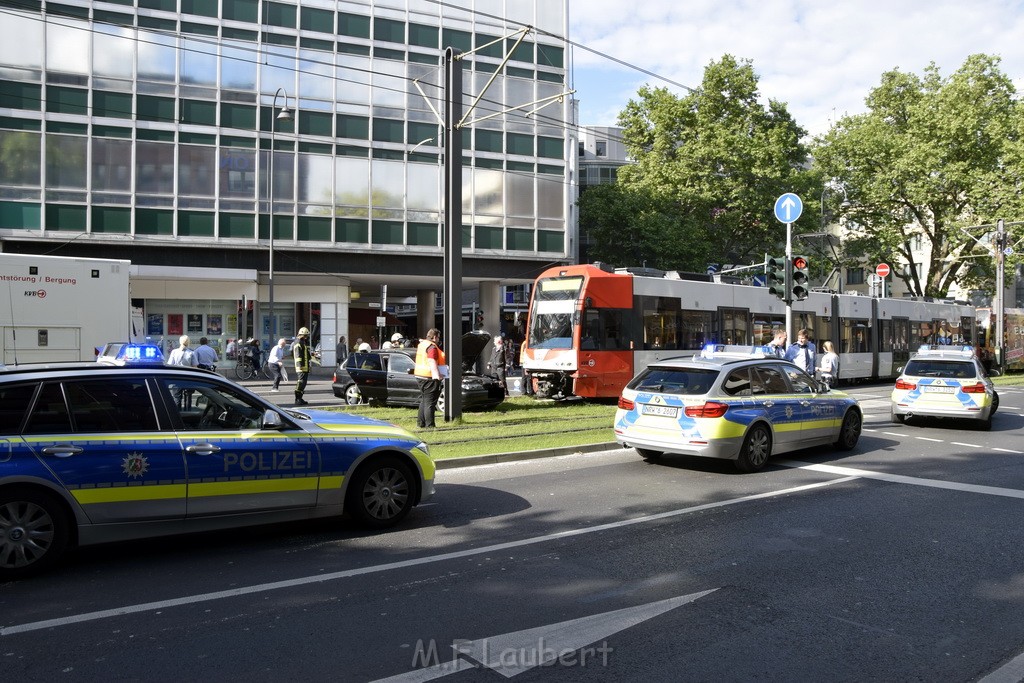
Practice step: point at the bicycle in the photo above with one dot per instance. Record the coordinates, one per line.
(246, 369)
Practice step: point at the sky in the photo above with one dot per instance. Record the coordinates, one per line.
(820, 58)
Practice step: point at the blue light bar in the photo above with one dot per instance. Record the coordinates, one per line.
(131, 354)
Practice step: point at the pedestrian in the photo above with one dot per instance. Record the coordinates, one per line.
(275, 361)
(778, 343)
(527, 380)
(254, 353)
(206, 355)
(183, 355)
(341, 351)
(231, 350)
(359, 342)
(397, 340)
(829, 367)
(500, 361)
(803, 353)
(300, 351)
(430, 369)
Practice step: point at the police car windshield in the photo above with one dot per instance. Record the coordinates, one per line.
(685, 382)
(940, 368)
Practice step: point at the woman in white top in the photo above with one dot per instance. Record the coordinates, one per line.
(829, 366)
(183, 355)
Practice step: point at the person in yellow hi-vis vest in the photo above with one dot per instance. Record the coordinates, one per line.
(300, 351)
(430, 370)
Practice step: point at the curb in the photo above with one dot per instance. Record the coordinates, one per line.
(495, 458)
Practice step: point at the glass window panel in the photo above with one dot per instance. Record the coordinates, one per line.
(389, 30)
(111, 165)
(154, 168)
(353, 79)
(238, 65)
(389, 84)
(237, 173)
(113, 51)
(550, 197)
(354, 25)
(21, 40)
(488, 192)
(67, 46)
(66, 158)
(317, 20)
(316, 178)
(158, 54)
(388, 184)
(352, 181)
(199, 61)
(521, 11)
(242, 10)
(316, 74)
(279, 69)
(520, 144)
(197, 170)
(19, 158)
(424, 188)
(551, 18)
(520, 194)
(284, 175)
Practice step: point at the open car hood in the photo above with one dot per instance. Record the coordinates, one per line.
(473, 345)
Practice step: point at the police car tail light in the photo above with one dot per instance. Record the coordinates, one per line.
(708, 409)
(625, 403)
(904, 385)
(978, 388)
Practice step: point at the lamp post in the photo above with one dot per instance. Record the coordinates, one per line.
(284, 115)
(831, 185)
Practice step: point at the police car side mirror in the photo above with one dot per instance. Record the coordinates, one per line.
(272, 420)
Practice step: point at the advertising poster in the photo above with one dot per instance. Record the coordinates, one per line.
(174, 324)
(213, 325)
(155, 324)
(195, 322)
(232, 325)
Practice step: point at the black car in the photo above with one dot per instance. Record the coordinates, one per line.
(386, 376)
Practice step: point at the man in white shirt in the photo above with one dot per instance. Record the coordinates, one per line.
(276, 363)
(206, 355)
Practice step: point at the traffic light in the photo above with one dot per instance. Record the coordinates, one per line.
(801, 284)
(479, 319)
(777, 276)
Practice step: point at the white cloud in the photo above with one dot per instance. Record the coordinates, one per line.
(820, 59)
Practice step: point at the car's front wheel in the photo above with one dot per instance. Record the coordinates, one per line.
(440, 401)
(757, 447)
(849, 432)
(381, 492)
(34, 532)
(352, 395)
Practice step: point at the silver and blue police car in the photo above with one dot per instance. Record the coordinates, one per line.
(734, 403)
(109, 451)
(944, 381)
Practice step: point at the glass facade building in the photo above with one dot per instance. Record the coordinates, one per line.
(142, 129)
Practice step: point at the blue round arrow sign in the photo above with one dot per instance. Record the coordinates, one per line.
(788, 208)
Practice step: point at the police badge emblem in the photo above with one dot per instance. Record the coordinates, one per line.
(135, 465)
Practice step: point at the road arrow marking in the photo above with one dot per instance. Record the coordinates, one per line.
(510, 654)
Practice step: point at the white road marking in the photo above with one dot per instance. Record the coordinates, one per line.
(901, 479)
(362, 571)
(967, 445)
(1007, 450)
(895, 433)
(925, 438)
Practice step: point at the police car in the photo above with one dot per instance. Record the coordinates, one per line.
(944, 381)
(735, 403)
(99, 452)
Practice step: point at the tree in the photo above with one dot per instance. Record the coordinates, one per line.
(932, 157)
(709, 166)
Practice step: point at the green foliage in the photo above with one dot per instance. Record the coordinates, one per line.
(931, 157)
(709, 166)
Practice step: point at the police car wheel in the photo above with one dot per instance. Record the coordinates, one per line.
(757, 446)
(647, 454)
(34, 532)
(849, 432)
(995, 403)
(352, 395)
(381, 493)
(897, 417)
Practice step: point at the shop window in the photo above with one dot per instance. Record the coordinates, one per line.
(353, 25)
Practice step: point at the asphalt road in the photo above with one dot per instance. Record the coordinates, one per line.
(899, 561)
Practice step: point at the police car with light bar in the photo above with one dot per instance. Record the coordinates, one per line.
(944, 381)
(736, 403)
(130, 448)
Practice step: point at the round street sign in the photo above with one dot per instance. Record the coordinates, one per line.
(882, 270)
(788, 208)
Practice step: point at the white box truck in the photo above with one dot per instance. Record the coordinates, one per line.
(55, 308)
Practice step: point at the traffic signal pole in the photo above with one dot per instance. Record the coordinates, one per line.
(789, 280)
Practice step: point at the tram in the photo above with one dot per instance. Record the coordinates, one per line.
(591, 328)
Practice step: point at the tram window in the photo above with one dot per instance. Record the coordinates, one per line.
(886, 341)
(922, 333)
(603, 330)
(855, 333)
(661, 321)
(551, 331)
(734, 326)
(697, 329)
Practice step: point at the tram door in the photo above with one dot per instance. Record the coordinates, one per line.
(900, 342)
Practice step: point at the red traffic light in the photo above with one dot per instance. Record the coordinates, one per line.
(800, 262)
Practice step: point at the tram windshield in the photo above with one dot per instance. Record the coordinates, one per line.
(554, 302)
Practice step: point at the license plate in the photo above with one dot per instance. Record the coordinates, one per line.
(660, 411)
(940, 390)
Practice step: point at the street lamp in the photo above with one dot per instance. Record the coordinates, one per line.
(284, 115)
(832, 185)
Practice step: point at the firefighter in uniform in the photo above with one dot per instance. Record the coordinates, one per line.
(430, 369)
(300, 351)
